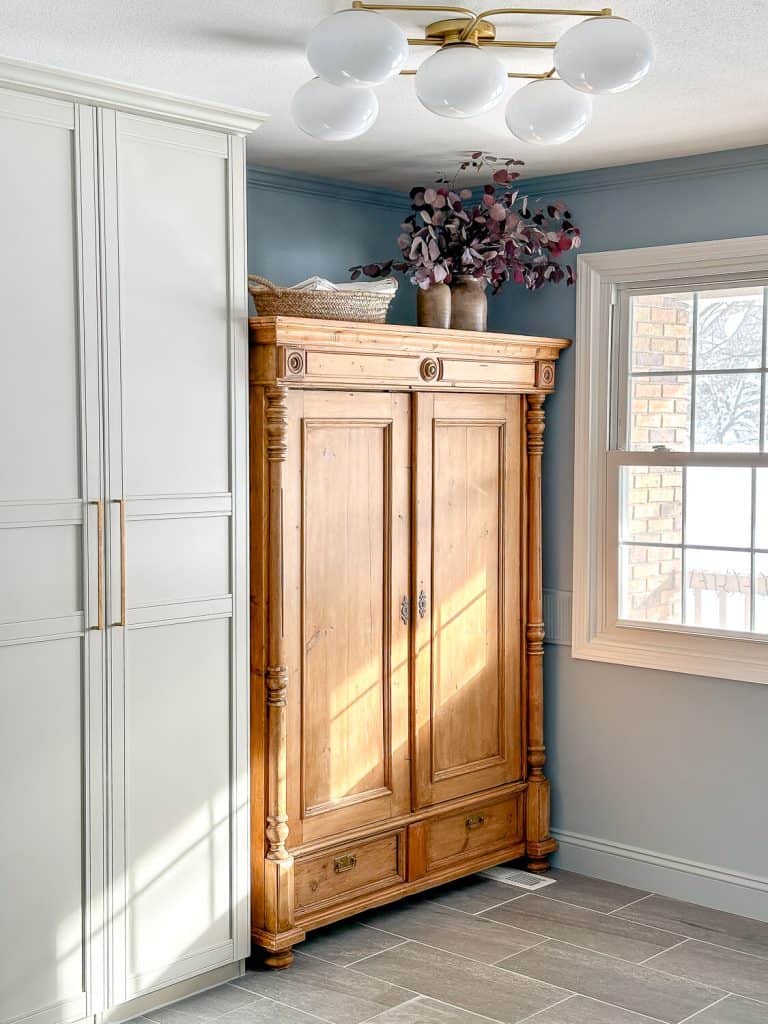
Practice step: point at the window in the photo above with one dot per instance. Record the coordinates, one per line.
(671, 564)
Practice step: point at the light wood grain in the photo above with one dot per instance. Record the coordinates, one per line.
(540, 843)
(346, 572)
(457, 836)
(350, 870)
(397, 725)
(467, 645)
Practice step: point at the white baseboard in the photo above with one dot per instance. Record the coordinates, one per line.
(707, 884)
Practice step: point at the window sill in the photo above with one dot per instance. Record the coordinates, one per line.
(716, 657)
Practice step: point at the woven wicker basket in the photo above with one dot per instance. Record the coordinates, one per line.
(362, 306)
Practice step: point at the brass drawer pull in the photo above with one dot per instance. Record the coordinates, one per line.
(345, 862)
(475, 821)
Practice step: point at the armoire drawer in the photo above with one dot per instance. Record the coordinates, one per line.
(473, 832)
(355, 869)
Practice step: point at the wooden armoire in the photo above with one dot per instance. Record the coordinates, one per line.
(396, 614)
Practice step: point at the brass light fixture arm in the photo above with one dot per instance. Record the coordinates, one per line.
(521, 44)
(606, 12)
(474, 21)
(358, 5)
(510, 74)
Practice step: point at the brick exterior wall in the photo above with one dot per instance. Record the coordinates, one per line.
(659, 415)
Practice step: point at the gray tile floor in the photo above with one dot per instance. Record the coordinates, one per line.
(582, 951)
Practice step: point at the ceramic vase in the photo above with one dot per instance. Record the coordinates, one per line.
(433, 306)
(469, 303)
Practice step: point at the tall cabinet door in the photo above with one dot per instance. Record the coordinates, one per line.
(51, 649)
(346, 569)
(176, 353)
(467, 691)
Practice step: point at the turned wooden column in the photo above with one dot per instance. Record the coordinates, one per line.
(278, 881)
(538, 842)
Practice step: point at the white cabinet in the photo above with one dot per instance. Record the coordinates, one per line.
(123, 593)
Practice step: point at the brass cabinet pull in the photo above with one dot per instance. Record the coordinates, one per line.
(345, 862)
(99, 563)
(422, 604)
(404, 610)
(121, 503)
(475, 821)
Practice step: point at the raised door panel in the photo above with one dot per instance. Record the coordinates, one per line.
(40, 393)
(52, 965)
(177, 799)
(42, 948)
(347, 574)
(176, 354)
(468, 570)
(174, 308)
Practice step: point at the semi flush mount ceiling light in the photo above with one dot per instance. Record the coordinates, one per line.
(355, 49)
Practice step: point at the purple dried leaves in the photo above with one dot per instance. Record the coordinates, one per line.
(500, 238)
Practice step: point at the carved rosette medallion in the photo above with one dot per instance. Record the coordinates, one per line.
(430, 370)
(294, 362)
(545, 375)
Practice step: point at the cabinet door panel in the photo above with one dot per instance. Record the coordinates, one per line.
(176, 378)
(41, 855)
(174, 309)
(40, 395)
(177, 796)
(468, 630)
(51, 655)
(348, 573)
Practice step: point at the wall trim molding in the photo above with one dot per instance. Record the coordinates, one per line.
(338, 191)
(726, 161)
(670, 169)
(104, 92)
(558, 607)
(723, 888)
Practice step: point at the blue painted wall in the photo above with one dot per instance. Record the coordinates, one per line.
(299, 226)
(674, 764)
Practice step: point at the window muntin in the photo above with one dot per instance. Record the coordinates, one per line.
(688, 464)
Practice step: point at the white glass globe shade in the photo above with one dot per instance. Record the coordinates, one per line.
(334, 115)
(548, 112)
(461, 81)
(357, 49)
(603, 55)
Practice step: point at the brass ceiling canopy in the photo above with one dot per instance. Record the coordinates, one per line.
(459, 30)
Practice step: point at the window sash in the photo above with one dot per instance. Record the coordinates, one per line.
(614, 462)
(622, 374)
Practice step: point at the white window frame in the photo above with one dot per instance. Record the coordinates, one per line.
(598, 634)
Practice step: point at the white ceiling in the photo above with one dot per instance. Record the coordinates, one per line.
(708, 91)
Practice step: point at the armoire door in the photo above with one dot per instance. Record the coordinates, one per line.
(467, 591)
(51, 621)
(347, 609)
(176, 354)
